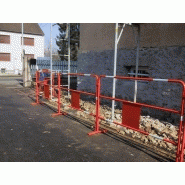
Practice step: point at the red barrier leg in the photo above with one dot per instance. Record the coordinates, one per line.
(181, 135)
(183, 144)
(97, 121)
(53, 85)
(59, 101)
(37, 90)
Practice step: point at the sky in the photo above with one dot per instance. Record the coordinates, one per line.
(46, 27)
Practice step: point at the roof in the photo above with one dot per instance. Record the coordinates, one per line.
(29, 28)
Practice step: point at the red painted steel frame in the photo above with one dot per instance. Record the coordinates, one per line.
(97, 129)
(181, 134)
(53, 85)
(37, 89)
(59, 100)
(97, 125)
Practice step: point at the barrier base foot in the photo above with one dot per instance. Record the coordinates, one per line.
(79, 109)
(34, 104)
(58, 114)
(96, 132)
(39, 103)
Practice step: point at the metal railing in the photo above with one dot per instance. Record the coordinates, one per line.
(57, 65)
(129, 121)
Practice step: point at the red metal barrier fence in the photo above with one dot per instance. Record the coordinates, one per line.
(131, 113)
(130, 110)
(75, 100)
(37, 88)
(41, 86)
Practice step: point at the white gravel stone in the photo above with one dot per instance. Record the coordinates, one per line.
(147, 123)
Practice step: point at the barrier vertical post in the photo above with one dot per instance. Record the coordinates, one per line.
(181, 135)
(59, 100)
(53, 84)
(97, 119)
(182, 143)
(37, 89)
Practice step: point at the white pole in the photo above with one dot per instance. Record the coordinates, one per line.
(22, 35)
(115, 65)
(22, 58)
(121, 33)
(51, 66)
(137, 63)
(69, 52)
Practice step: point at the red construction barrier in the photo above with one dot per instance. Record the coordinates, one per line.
(41, 86)
(46, 88)
(59, 96)
(37, 75)
(75, 99)
(131, 114)
(130, 110)
(54, 76)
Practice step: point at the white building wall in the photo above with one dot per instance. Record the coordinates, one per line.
(15, 49)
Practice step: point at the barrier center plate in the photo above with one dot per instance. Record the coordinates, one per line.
(131, 115)
(75, 100)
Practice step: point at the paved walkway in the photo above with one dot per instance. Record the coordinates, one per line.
(29, 133)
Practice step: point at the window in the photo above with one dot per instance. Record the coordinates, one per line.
(4, 56)
(142, 71)
(30, 56)
(28, 41)
(5, 39)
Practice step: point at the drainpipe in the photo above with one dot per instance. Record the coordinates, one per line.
(115, 65)
(137, 63)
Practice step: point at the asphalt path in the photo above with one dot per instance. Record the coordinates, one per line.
(29, 134)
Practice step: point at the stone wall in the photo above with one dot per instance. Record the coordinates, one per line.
(164, 62)
(100, 36)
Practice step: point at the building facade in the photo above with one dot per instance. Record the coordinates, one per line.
(161, 55)
(11, 45)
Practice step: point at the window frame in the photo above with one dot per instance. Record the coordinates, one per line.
(6, 60)
(28, 44)
(9, 39)
(142, 71)
(27, 55)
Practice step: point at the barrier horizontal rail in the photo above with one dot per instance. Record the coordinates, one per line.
(128, 104)
(72, 90)
(142, 104)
